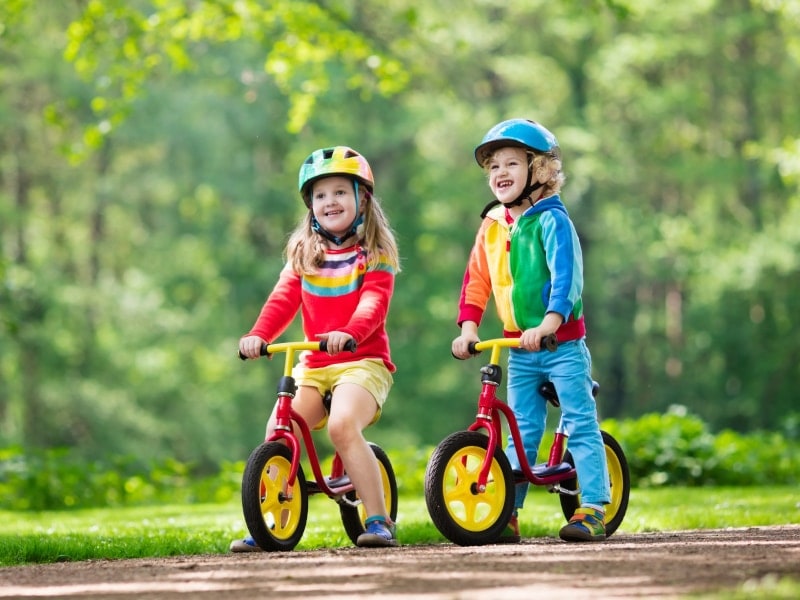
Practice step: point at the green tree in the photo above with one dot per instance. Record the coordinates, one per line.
(148, 162)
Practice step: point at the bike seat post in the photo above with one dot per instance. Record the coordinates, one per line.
(491, 377)
(557, 448)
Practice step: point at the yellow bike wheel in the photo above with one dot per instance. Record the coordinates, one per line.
(275, 513)
(461, 512)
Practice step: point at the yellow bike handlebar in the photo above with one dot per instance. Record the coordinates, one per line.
(549, 343)
(291, 347)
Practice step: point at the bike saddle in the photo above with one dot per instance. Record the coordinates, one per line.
(548, 392)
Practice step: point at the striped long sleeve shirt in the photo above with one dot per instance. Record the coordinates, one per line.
(346, 294)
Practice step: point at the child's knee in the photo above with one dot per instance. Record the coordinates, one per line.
(342, 431)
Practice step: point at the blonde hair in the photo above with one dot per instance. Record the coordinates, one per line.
(552, 164)
(540, 160)
(305, 249)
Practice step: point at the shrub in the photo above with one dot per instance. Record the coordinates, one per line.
(674, 448)
(677, 448)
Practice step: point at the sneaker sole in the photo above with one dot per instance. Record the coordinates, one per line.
(240, 546)
(580, 536)
(366, 540)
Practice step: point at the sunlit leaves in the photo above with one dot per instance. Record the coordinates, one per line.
(122, 45)
(189, 121)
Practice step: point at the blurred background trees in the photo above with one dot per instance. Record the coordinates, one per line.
(148, 161)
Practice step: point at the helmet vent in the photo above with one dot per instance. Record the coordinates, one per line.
(350, 154)
(327, 153)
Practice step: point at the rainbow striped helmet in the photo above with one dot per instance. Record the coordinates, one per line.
(338, 160)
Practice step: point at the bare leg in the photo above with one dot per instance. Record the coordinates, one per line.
(352, 410)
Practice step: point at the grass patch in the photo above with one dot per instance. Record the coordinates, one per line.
(172, 530)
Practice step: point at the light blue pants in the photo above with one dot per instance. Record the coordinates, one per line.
(569, 368)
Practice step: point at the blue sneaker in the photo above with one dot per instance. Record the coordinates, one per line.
(379, 534)
(248, 544)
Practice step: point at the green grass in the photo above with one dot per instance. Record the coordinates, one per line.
(208, 528)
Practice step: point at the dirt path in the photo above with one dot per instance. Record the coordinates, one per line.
(657, 565)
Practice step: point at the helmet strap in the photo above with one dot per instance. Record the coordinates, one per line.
(333, 238)
(529, 189)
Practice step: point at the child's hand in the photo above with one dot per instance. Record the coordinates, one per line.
(531, 339)
(336, 341)
(250, 346)
(460, 345)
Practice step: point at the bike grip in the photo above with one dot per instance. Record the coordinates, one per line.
(550, 342)
(471, 348)
(349, 345)
(262, 352)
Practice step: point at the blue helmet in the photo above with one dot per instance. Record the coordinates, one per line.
(522, 133)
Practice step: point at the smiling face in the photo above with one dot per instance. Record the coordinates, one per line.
(333, 201)
(508, 173)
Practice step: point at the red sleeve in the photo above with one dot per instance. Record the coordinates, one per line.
(476, 289)
(280, 307)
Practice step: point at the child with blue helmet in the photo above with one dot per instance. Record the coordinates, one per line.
(527, 255)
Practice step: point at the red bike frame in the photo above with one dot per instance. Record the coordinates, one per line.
(285, 416)
(490, 407)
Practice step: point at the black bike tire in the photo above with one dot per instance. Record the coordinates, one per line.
(434, 495)
(252, 501)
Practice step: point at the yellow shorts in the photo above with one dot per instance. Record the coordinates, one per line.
(369, 373)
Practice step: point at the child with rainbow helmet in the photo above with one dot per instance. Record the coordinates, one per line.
(341, 261)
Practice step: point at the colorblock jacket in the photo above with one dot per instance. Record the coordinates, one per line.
(346, 295)
(532, 266)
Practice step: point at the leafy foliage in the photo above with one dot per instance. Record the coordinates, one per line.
(60, 479)
(674, 449)
(677, 448)
(148, 160)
